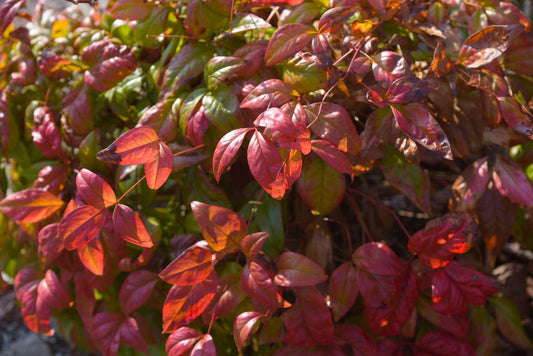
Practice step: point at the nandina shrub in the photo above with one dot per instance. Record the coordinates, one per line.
(267, 177)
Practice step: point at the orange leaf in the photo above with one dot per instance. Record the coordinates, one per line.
(81, 225)
(137, 146)
(130, 227)
(30, 205)
(158, 170)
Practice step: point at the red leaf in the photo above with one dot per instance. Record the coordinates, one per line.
(30, 205)
(487, 44)
(129, 226)
(265, 165)
(456, 324)
(377, 258)
(131, 10)
(439, 343)
(389, 66)
(252, 244)
(181, 341)
(52, 178)
(287, 41)
(51, 293)
(81, 225)
(226, 149)
(184, 303)
(335, 18)
(455, 286)
(469, 187)
(321, 187)
(515, 116)
(191, 267)
(293, 166)
(334, 125)
(388, 287)
(45, 134)
(137, 146)
(94, 190)
(343, 290)
(50, 244)
(109, 63)
(443, 238)
(332, 156)
(197, 125)
(511, 181)
(308, 322)
(158, 170)
(244, 326)
(418, 123)
(26, 284)
(258, 285)
(92, 256)
(136, 290)
(359, 342)
(204, 347)
(109, 330)
(8, 11)
(271, 92)
(275, 119)
(295, 270)
(222, 228)
(406, 90)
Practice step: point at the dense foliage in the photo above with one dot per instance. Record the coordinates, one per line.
(281, 177)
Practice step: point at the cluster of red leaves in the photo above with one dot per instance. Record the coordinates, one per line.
(289, 86)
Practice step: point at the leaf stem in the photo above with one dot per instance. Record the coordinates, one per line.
(131, 188)
(189, 150)
(383, 206)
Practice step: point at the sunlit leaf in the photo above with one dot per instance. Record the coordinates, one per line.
(30, 205)
(94, 190)
(137, 146)
(181, 341)
(191, 267)
(81, 225)
(92, 256)
(244, 326)
(129, 226)
(158, 170)
(226, 149)
(287, 41)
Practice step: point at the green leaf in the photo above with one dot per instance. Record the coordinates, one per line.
(409, 178)
(509, 323)
(221, 107)
(305, 73)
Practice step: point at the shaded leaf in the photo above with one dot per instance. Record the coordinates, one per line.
(191, 267)
(137, 146)
(136, 290)
(509, 322)
(8, 11)
(406, 90)
(52, 178)
(459, 325)
(252, 244)
(441, 343)
(265, 165)
(515, 116)
(334, 125)
(287, 41)
(181, 341)
(454, 287)
(335, 18)
(131, 10)
(50, 244)
(185, 303)
(271, 92)
(512, 182)
(94, 190)
(275, 119)
(158, 170)
(359, 342)
(222, 228)
(407, 177)
(389, 66)
(295, 270)
(81, 225)
(308, 322)
(418, 123)
(110, 63)
(109, 330)
(321, 187)
(129, 227)
(343, 290)
(332, 156)
(226, 149)
(244, 326)
(30, 205)
(487, 44)
(257, 284)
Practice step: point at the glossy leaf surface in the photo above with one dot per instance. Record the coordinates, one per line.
(137, 146)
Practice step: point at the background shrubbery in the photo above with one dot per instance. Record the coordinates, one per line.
(269, 177)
